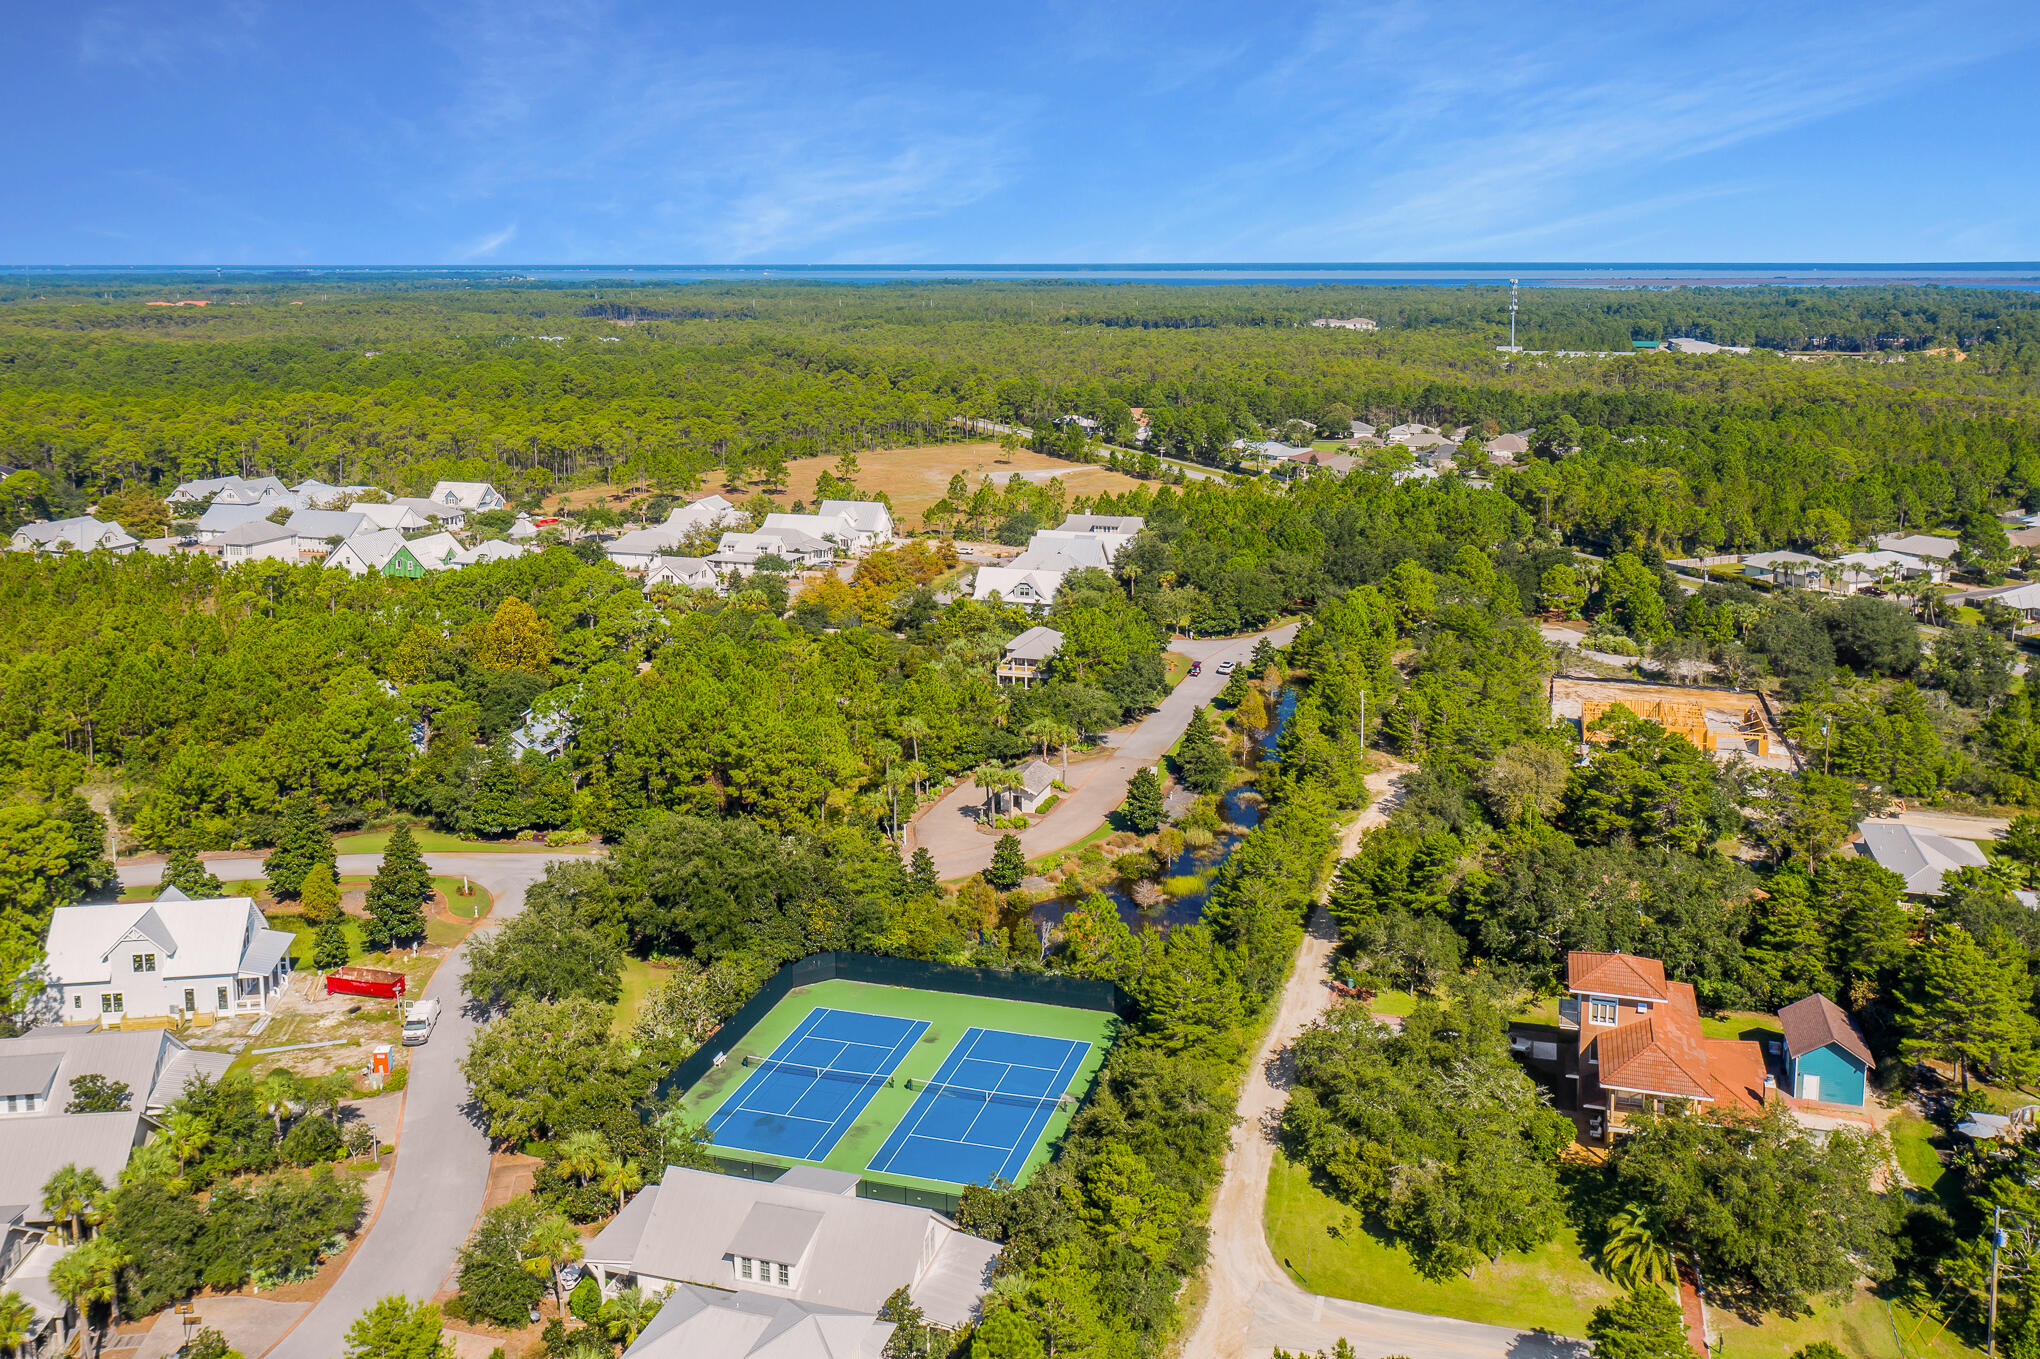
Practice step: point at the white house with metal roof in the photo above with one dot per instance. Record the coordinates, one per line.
(1921, 857)
(805, 1237)
(171, 958)
(710, 1323)
(80, 533)
(473, 496)
(255, 541)
(38, 1068)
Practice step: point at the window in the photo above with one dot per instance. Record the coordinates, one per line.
(223, 998)
(190, 999)
(110, 1002)
(1600, 1011)
(782, 1276)
(145, 962)
(744, 1265)
(77, 1002)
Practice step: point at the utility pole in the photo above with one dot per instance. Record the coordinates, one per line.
(1997, 1239)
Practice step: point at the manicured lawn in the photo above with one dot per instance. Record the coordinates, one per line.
(639, 977)
(1912, 1142)
(472, 905)
(1178, 666)
(1324, 1248)
(1740, 1024)
(1391, 1003)
(1863, 1326)
(301, 950)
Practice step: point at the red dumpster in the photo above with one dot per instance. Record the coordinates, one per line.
(364, 981)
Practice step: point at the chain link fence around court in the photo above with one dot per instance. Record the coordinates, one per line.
(1040, 988)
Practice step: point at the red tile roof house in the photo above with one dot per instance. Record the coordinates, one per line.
(1640, 1045)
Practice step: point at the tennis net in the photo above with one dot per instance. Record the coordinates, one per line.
(819, 1072)
(993, 1096)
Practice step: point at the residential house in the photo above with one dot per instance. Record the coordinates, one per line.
(255, 541)
(711, 1323)
(841, 530)
(693, 572)
(805, 1237)
(493, 550)
(1361, 430)
(1128, 524)
(228, 490)
(1346, 323)
(379, 552)
(1864, 570)
(1919, 856)
(870, 521)
(1514, 445)
(1785, 568)
(36, 1069)
(1640, 1044)
(433, 551)
(1920, 545)
(1412, 436)
(390, 516)
(1054, 550)
(317, 529)
(81, 533)
(523, 530)
(172, 958)
(1826, 1057)
(1338, 464)
(472, 496)
(218, 519)
(710, 512)
(1084, 423)
(435, 512)
(796, 547)
(545, 733)
(1025, 658)
(1031, 589)
(2024, 598)
(1685, 344)
(640, 548)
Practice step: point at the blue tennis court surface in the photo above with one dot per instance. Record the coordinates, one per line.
(981, 1114)
(805, 1096)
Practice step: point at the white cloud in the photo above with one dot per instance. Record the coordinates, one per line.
(484, 246)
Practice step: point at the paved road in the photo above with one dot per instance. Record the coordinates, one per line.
(948, 830)
(1253, 1306)
(442, 1163)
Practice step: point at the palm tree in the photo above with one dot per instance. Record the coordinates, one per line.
(625, 1316)
(17, 1322)
(914, 728)
(89, 1277)
(619, 1176)
(1635, 1253)
(187, 1136)
(1064, 735)
(278, 1094)
(550, 1247)
(1041, 731)
(917, 772)
(580, 1155)
(72, 1195)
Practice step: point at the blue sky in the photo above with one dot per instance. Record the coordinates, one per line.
(795, 131)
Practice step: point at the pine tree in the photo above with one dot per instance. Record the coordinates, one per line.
(1236, 686)
(1968, 1007)
(1143, 806)
(1790, 948)
(189, 875)
(1263, 657)
(923, 876)
(329, 946)
(319, 895)
(301, 845)
(1200, 760)
(396, 893)
(1009, 864)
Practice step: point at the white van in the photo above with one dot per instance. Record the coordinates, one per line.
(418, 1022)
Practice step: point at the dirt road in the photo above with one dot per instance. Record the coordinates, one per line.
(1253, 1305)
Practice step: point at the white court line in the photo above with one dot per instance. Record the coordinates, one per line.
(958, 1057)
(1078, 1051)
(852, 1108)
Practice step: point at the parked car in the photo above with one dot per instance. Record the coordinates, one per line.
(418, 1022)
(1227, 667)
(1196, 668)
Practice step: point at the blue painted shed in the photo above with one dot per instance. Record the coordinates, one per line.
(1826, 1059)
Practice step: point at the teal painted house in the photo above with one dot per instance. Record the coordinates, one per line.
(1826, 1059)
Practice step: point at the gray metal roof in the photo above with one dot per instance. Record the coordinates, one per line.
(1921, 857)
(33, 1149)
(1035, 644)
(28, 1073)
(709, 1323)
(265, 951)
(774, 1231)
(253, 533)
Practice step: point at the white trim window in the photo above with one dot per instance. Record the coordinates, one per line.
(1601, 1010)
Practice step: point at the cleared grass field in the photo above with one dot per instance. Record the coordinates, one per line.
(913, 478)
(948, 1017)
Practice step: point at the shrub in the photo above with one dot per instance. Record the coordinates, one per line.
(585, 1302)
(312, 1140)
(494, 1285)
(568, 837)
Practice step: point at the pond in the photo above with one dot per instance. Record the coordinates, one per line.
(1186, 882)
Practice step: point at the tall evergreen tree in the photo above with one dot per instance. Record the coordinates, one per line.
(319, 895)
(189, 875)
(302, 844)
(923, 876)
(397, 893)
(1645, 1324)
(1200, 760)
(1009, 864)
(1143, 806)
(1968, 1007)
(329, 946)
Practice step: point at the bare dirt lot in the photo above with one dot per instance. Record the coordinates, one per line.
(1723, 707)
(914, 478)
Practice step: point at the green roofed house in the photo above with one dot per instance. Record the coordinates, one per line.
(1825, 1055)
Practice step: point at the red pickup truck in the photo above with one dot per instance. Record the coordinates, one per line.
(365, 981)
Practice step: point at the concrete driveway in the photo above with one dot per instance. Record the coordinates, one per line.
(948, 830)
(442, 1162)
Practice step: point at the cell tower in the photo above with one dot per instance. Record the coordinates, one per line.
(1512, 316)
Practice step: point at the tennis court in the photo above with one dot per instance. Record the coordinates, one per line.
(978, 1119)
(799, 1101)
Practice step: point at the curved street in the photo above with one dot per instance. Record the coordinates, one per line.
(441, 1167)
(948, 829)
(1252, 1305)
